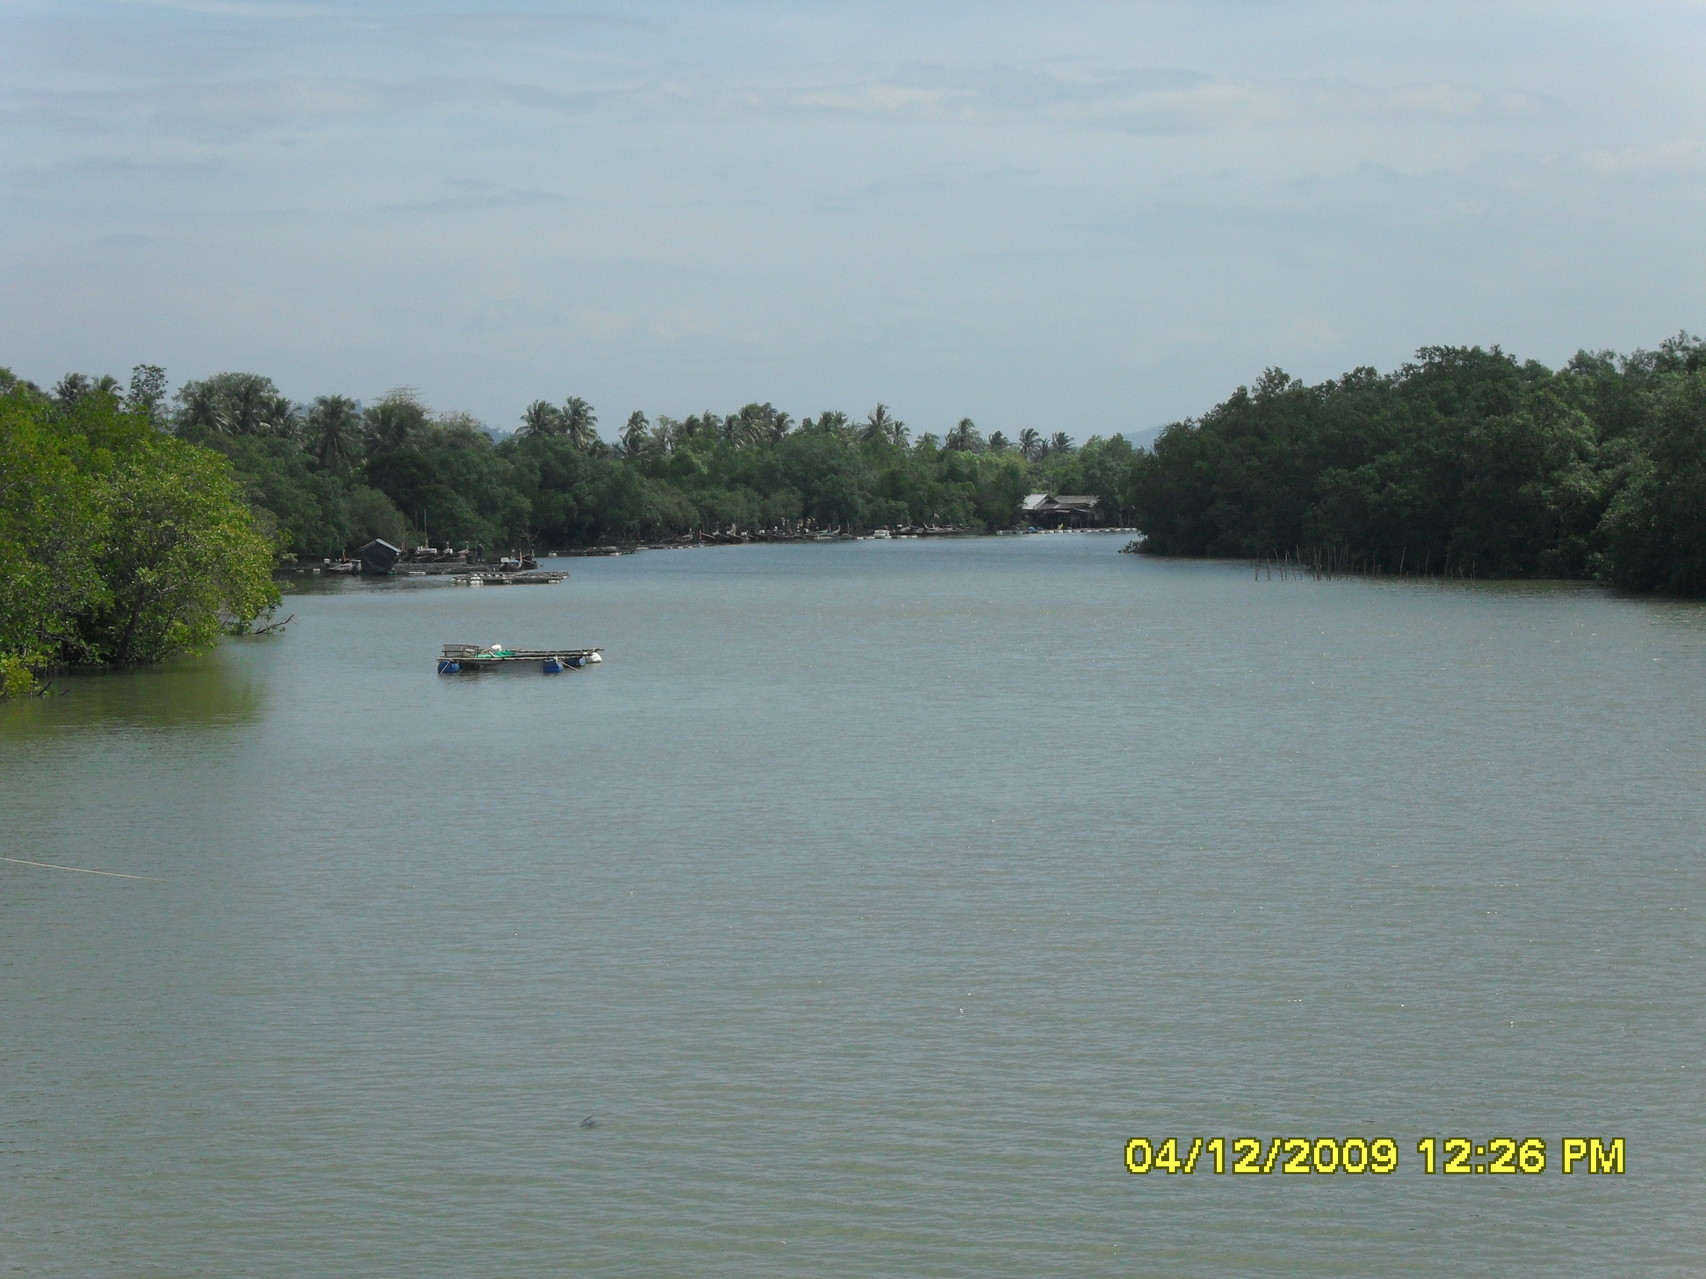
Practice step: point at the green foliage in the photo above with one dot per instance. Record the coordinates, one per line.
(235, 404)
(118, 543)
(182, 552)
(148, 392)
(122, 542)
(368, 514)
(1462, 462)
(334, 432)
(1654, 532)
(51, 525)
(342, 474)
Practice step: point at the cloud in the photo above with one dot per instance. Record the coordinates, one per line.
(53, 177)
(1674, 158)
(229, 111)
(476, 196)
(1141, 100)
(271, 10)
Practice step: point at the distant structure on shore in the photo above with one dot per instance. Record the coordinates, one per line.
(378, 557)
(1045, 510)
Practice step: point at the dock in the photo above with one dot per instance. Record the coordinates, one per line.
(458, 659)
(532, 578)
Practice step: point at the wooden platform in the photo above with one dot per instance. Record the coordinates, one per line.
(457, 659)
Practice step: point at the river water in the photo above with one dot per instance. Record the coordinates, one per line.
(867, 899)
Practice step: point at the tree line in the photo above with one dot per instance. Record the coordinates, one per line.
(134, 526)
(332, 473)
(1462, 462)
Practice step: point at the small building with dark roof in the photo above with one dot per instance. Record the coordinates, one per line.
(1046, 510)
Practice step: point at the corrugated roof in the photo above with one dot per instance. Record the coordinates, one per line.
(1048, 502)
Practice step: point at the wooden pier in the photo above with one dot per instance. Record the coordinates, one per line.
(459, 659)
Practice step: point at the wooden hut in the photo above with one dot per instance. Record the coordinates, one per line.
(1046, 510)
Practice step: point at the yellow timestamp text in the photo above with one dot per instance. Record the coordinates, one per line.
(1353, 1156)
(1259, 1155)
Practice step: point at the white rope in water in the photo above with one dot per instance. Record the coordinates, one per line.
(19, 861)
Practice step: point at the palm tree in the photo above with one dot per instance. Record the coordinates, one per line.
(756, 425)
(201, 408)
(1031, 445)
(333, 427)
(280, 416)
(75, 386)
(998, 443)
(239, 404)
(248, 404)
(580, 422)
(879, 424)
(72, 387)
(666, 434)
(833, 421)
(696, 424)
(964, 437)
(541, 418)
(636, 435)
(1060, 442)
(395, 421)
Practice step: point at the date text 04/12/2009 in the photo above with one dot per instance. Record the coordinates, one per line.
(1379, 1156)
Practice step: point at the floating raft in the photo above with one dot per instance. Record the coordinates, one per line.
(458, 659)
(508, 579)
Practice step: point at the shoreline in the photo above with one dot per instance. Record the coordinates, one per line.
(317, 565)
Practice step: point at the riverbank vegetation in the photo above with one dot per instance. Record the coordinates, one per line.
(1464, 462)
(131, 526)
(333, 473)
(120, 543)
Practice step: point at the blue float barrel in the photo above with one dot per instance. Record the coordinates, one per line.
(449, 668)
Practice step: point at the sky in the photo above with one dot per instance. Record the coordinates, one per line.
(1095, 217)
